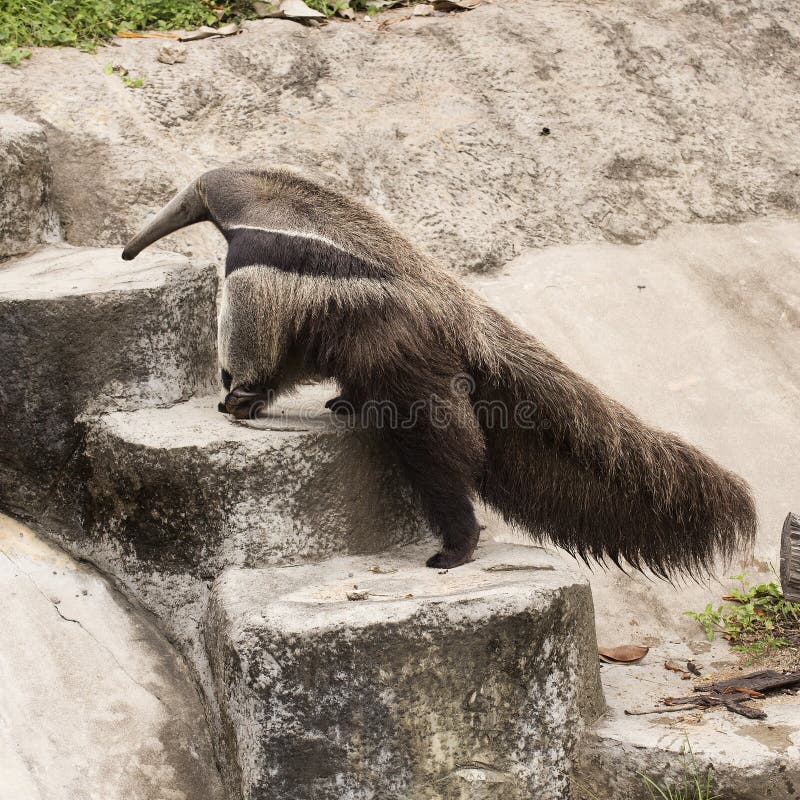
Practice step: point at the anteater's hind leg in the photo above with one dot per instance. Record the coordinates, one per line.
(342, 404)
(443, 459)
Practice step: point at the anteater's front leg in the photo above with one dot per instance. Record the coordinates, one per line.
(254, 344)
(246, 401)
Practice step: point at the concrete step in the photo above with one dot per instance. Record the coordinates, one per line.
(463, 685)
(27, 216)
(172, 496)
(83, 333)
(747, 759)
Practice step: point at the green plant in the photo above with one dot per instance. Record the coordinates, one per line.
(756, 619)
(132, 82)
(86, 23)
(697, 789)
(331, 7)
(693, 786)
(13, 55)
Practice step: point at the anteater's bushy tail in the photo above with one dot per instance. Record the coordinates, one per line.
(581, 470)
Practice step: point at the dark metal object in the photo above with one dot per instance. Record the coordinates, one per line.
(790, 558)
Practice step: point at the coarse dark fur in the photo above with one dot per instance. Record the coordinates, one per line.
(318, 286)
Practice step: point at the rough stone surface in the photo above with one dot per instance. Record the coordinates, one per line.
(457, 686)
(27, 217)
(94, 703)
(659, 111)
(747, 759)
(84, 332)
(174, 495)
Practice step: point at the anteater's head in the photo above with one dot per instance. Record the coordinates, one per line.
(227, 197)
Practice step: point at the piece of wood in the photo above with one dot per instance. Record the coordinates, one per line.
(790, 558)
(764, 681)
(732, 702)
(635, 712)
(735, 692)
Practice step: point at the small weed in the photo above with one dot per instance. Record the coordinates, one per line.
(756, 619)
(693, 786)
(13, 55)
(132, 82)
(86, 23)
(330, 7)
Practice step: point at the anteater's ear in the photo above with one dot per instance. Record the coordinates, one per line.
(184, 209)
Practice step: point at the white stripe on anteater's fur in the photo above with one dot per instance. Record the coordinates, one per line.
(319, 286)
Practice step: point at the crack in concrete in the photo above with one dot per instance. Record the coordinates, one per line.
(77, 622)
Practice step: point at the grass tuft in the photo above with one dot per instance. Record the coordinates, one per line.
(87, 23)
(693, 786)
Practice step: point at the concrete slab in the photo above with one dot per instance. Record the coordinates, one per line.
(94, 702)
(747, 759)
(434, 686)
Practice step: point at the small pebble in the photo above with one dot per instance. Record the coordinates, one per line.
(172, 54)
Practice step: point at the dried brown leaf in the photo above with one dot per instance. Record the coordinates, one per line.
(455, 5)
(204, 32)
(623, 654)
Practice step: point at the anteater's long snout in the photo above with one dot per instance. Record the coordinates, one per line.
(184, 209)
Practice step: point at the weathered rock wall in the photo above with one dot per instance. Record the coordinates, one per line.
(659, 111)
(27, 216)
(95, 702)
